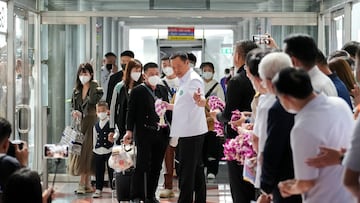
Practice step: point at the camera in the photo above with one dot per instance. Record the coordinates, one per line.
(261, 39)
(53, 151)
(11, 150)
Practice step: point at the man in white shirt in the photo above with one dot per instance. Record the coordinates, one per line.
(319, 120)
(107, 70)
(189, 124)
(302, 50)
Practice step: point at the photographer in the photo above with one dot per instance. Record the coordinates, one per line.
(9, 164)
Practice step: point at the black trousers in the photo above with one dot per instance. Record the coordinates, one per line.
(211, 152)
(150, 155)
(191, 169)
(241, 190)
(100, 162)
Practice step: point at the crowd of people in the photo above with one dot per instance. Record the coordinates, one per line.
(299, 106)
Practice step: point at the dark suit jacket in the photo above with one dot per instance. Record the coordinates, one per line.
(239, 95)
(277, 156)
(141, 115)
(113, 80)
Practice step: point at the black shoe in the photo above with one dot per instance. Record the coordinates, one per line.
(152, 200)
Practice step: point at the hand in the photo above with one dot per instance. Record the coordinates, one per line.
(48, 193)
(356, 94)
(238, 122)
(76, 114)
(127, 137)
(169, 107)
(285, 187)
(214, 113)
(111, 137)
(264, 199)
(22, 155)
(326, 157)
(197, 96)
(272, 42)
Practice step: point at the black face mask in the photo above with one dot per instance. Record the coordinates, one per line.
(123, 65)
(108, 67)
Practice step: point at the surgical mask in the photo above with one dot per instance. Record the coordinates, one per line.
(84, 79)
(207, 75)
(135, 76)
(102, 115)
(168, 71)
(154, 80)
(227, 75)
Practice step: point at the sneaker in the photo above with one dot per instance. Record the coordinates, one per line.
(166, 193)
(89, 189)
(80, 190)
(210, 176)
(97, 194)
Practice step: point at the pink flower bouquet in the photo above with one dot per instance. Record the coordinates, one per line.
(214, 103)
(236, 115)
(239, 148)
(160, 109)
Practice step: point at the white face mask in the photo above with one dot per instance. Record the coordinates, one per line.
(207, 75)
(102, 115)
(227, 75)
(154, 80)
(135, 75)
(84, 79)
(168, 71)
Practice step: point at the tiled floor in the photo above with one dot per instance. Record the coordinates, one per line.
(218, 191)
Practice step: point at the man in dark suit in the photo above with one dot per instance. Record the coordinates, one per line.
(125, 57)
(239, 95)
(151, 139)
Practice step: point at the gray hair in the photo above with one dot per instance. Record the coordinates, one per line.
(273, 63)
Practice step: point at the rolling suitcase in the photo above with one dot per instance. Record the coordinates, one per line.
(122, 184)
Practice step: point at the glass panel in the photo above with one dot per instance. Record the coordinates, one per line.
(355, 26)
(3, 74)
(63, 48)
(339, 31)
(279, 33)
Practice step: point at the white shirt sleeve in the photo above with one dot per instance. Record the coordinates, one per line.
(94, 137)
(304, 144)
(112, 109)
(352, 155)
(194, 85)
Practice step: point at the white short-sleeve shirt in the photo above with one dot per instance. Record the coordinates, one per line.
(322, 83)
(352, 155)
(260, 127)
(188, 118)
(324, 121)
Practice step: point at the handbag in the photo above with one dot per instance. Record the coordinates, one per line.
(73, 137)
(123, 157)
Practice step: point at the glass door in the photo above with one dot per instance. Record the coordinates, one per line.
(25, 80)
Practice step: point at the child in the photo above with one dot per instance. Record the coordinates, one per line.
(103, 142)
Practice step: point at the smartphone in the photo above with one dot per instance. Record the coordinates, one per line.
(11, 150)
(53, 151)
(261, 39)
(108, 66)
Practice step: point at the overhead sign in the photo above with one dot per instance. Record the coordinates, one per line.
(181, 33)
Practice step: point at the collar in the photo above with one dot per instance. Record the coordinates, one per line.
(103, 122)
(186, 76)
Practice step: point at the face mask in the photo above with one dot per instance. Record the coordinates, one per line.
(153, 80)
(102, 115)
(227, 75)
(135, 76)
(84, 79)
(168, 71)
(207, 75)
